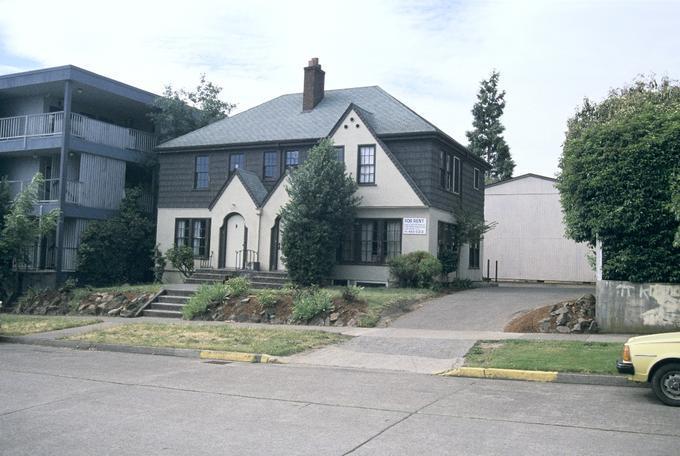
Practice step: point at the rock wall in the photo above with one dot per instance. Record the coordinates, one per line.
(637, 307)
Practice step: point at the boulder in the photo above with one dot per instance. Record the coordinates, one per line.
(563, 329)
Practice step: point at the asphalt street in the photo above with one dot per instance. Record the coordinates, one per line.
(58, 401)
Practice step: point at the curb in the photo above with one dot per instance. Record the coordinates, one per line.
(238, 357)
(540, 376)
(162, 351)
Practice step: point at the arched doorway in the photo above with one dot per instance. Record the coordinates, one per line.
(275, 245)
(233, 239)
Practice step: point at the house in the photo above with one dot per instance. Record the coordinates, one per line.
(221, 187)
(529, 241)
(89, 136)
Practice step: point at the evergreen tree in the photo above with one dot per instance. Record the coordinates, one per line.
(321, 209)
(486, 139)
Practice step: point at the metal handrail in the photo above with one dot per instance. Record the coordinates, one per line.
(246, 259)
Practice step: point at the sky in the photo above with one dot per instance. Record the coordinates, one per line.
(430, 54)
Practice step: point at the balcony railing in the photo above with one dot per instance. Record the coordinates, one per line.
(33, 259)
(48, 191)
(48, 124)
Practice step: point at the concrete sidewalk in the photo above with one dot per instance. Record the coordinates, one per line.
(423, 351)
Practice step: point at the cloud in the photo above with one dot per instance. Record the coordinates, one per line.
(431, 54)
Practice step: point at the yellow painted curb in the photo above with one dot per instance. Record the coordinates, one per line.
(238, 357)
(508, 374)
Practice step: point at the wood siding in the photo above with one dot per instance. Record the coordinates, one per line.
(73, 230)
(102, 182)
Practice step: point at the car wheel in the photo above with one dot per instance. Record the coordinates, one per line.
(666, 384)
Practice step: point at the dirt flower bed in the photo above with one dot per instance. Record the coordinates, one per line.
(249, 309)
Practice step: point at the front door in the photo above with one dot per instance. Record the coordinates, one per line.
(275, 246)
(235, 240)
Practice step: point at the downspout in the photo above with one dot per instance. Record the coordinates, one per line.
(258, 212)
(65, 145)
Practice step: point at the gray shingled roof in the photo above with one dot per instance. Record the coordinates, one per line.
(282, 119)
(253, 184)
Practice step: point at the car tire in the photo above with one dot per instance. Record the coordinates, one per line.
(666, 384)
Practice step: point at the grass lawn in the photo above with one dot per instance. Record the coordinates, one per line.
(19, 325)
(546, 355)
(380, 300)
(277, 342)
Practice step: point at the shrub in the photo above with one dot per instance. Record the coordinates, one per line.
(205, 296)
(460, 284)
(268, 299)
(415, 269)
(311, 303)
(238, 286)
(158, 264)
(182, 259)
(119, 249)
(351, 293)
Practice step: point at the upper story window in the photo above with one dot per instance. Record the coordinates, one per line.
(237, 161)
(456, 175)
(340, 153)
(449, 172)
(478, 179)
(271, 165)
(366, 172)
(292, 159)
(201, 176)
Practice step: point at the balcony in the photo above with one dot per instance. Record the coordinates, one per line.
(95, 131)
(49, 190)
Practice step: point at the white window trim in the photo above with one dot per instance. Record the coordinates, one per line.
(476, 179)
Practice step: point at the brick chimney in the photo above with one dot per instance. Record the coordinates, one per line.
(313, 90)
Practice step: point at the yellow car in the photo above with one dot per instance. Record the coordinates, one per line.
(654, 359)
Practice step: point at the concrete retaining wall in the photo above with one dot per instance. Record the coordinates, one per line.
(631, 307)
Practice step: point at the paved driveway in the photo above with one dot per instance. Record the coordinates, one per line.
(485, 309)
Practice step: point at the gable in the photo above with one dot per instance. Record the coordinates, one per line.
(393, 187)
(234, 197)
(527, 184)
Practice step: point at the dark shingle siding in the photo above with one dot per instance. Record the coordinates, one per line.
(420, 158)
(176, 175)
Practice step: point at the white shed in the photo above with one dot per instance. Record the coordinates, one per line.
(529, 242)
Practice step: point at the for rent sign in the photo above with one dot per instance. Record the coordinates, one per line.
(414, 225)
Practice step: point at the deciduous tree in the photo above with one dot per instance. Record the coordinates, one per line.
(618, 164)
(178, 112)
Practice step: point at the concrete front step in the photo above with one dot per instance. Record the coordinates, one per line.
(173, 299)
(161, 313)
(165, 306)
(178, 293)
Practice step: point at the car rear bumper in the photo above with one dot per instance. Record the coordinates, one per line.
(625, 368)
